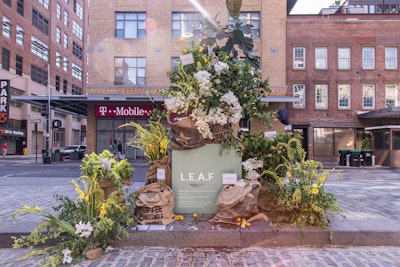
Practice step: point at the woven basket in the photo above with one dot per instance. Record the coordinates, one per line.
(218, 131)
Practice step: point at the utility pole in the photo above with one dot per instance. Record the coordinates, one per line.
(47, 158)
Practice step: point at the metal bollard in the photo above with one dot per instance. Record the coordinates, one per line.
(348, 160)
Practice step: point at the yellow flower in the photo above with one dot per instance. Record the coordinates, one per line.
(181, 39)
(315, 191)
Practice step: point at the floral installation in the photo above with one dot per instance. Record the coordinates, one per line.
(217, 88)
(80, 226)
(251, 166)
(152, 139)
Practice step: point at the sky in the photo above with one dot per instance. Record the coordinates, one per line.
(310, 6)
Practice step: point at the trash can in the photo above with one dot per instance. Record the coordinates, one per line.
(355, 158)
(342, 157)
(367, 156)
(46, 159)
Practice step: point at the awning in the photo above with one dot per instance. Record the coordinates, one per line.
(77, 104)
(385, 113)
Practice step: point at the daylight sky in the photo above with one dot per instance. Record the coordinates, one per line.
(310, 6)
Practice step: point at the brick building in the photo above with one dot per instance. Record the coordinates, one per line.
(341, 65)
(43, 44)
(133, 44)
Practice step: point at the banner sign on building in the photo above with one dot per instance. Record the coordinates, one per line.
(4, 101)
(123, 111)
(12, 132)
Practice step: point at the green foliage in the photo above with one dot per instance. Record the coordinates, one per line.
(293, 190)
(366, 143)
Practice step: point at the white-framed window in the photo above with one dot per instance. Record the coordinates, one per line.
(65, 64)
(185, 24)
(252, 18)
(368, 57)
(368, 93)
(58, 35)
(344, 96)
(321, 96)
(65, 41)
(66, 16)
(321, 58)
(78, 10)
(58, 11)
(76, 71)
(19, 35)
(390, 95)
(344, 58)
(130, 25)
(299, 57)
(44, 3)
(299, 90)
(39, 48)
(390, 57)
(6, 27)
(58, 59)
(77, 30)
(130, 71)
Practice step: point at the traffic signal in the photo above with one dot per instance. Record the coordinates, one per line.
(57, 124)
(44, 111)
(283, 116)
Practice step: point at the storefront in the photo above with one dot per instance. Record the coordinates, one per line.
(15, 139)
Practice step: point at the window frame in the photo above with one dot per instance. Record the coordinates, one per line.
(299, 61)
(344, 56)
(321, 96)
(368, 87)
(123, 21)
(345, 95)
(20, 7)
(138, 66)
(5, 59)
(391, 62)
(19, 65)
(19, 35)
(6, 27)
(253, 18)
(185, 25)
(394, 99)
(299, 89)
(39, 48)
(321, 58)
(368, 58)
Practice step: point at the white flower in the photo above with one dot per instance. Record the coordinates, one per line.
(250, 166)
(67, 256)
(84, 230)
(220, 66)
(202, 77)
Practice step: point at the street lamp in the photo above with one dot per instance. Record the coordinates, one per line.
(47, 156)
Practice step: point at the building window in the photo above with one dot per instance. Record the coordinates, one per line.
(5, 59)
(77, 50)
(66, 15)
(78, 9)
(65, 86)
(77, 30)
(299, 90)
(321, 57)
(76, 90)
(76, 71)
(7, 2)
(6, 27)
(65, 64)
(19, 36)
(368, 57)
(40, 22)
(58, 59)
(344, 96)
(39, 48)
(44, 3)
(58, 35)
(321, 96)
(130, 71)
(344, 58)
(57, 83)
(184, 25)
(65, 41)
(20, 7)
(18, 65)
(368, 96)
(39, 75)
(327, 141)
(58, 11)
(390, 95)
(299, 58)
(252, 18)
(391, 58)
(130, 25)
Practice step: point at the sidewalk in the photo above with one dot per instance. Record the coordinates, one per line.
(368, 195)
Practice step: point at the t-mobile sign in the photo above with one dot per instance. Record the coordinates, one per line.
(123, 111)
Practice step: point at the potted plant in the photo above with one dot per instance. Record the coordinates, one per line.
(125, 170)
(56, 156)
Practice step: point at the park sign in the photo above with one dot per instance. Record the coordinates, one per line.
(198, 177)
(4, 101)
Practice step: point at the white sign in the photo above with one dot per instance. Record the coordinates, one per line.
(187, 59)
(229, 178)
(160, 174)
